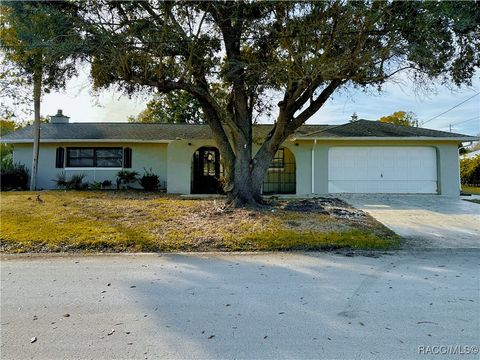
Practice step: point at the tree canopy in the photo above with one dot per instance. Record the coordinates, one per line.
(298, 52)
(402, 118)
(33, 38)
(175, 108)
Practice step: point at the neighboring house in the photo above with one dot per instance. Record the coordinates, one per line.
(358, 157)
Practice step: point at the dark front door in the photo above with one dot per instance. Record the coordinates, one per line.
(206, 171)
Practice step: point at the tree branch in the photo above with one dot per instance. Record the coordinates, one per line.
(314, 106)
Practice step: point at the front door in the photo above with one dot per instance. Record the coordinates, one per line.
(206, 171)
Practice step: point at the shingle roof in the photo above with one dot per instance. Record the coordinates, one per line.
(165, 132)
(133, 131)
(367, 128)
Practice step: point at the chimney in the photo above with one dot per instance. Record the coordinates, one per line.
(59, 118)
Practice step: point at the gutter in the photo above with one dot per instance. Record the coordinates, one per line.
(378, 138)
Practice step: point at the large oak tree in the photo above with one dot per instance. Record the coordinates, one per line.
(233, 56)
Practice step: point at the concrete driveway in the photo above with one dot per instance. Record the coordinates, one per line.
(271, 306)
(425, 221)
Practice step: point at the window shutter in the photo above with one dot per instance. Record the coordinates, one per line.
(60, 156)
(127, 158)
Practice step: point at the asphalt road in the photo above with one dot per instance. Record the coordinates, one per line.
(302, 305)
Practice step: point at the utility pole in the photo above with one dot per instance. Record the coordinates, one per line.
(37, 91)
(450, 126)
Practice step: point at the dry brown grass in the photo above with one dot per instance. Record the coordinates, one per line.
(136, 221)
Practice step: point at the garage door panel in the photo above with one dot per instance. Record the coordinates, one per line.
(382, 169)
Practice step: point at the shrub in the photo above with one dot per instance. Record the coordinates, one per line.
(14, 176)
(126, 177)
(61, 180)
(106, 184)
(74, 183)
(149, 181)
(6, 156)
(97, 185)
(470, 170)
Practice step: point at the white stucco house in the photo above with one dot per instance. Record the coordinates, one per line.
(357, 157)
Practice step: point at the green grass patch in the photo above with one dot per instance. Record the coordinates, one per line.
(471, 190)
(136, 221)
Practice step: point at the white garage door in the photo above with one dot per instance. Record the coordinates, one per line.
(382, 169)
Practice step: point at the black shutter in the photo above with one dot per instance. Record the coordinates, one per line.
(60, 158)
(127, 158)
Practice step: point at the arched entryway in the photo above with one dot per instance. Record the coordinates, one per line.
(206, 171)
(281, 175)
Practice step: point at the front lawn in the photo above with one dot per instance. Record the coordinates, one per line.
(471, 190)
(51, 221)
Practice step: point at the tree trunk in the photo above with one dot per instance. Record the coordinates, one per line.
(248, 179)
(37, 90)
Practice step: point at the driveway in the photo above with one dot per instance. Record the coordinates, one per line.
(425, 221)
(272, 306)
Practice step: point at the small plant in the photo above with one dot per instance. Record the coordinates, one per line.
(74, 183)
(14, 176)
(96, 185)
(106, 184)
(61, 180)
(125, 178)
(101, 185)
(149, 181)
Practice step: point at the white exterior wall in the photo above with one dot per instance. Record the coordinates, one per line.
(180, 153)
(172, 162)
(147, 156)
(179, 159)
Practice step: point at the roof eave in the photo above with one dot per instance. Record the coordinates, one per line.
(379, 138)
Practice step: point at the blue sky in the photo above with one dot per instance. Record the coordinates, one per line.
(78, 102)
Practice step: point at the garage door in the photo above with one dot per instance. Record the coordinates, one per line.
(382, 169)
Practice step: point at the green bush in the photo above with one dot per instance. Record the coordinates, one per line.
(149, 181)
(470, 170)
(126, 177)
(100, 185)
(74, 183)
(6, 156)
(106, 184)
(14, 176)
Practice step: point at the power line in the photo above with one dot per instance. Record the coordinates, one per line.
(453, 107)
(464, 121)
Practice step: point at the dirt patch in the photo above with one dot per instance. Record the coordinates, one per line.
(327, 206)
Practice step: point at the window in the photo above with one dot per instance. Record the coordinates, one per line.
(94, 157)
(127, 158)
(209, 163)
(60, 156)
(278, 161)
